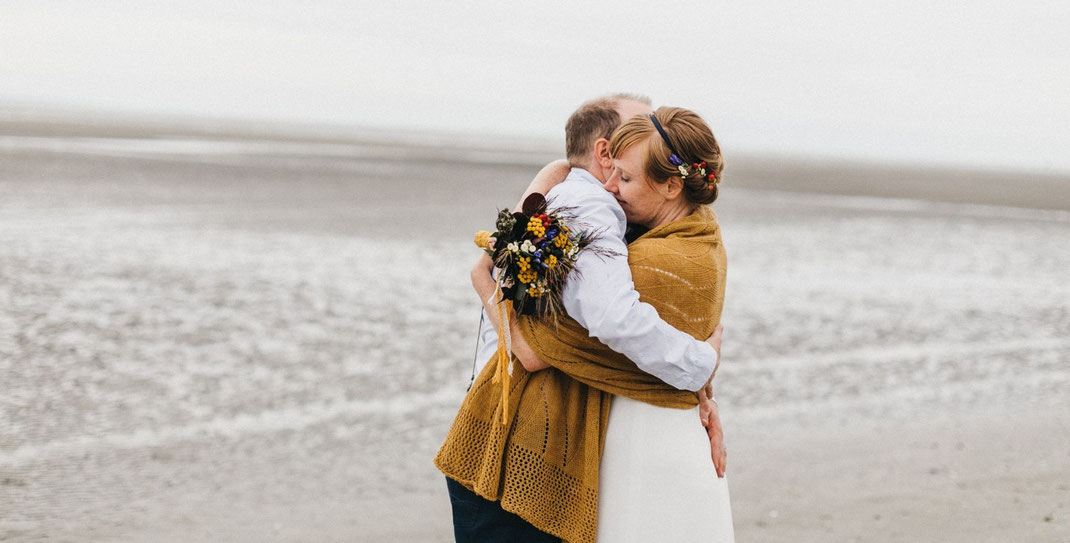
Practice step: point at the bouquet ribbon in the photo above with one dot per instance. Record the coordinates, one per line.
(503, 357)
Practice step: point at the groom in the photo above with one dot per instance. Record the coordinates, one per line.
(601, 297)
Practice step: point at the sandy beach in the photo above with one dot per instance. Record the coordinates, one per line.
(221, 332)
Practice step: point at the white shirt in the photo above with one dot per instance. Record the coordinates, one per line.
(602, 297)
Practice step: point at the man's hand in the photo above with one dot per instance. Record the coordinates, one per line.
(711, 419)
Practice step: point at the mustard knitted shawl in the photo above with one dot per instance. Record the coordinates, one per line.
(542, 464)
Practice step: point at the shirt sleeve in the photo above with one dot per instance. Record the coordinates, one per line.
(603, 299)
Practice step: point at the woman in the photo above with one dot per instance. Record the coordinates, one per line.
(651, 481)
(654, 481)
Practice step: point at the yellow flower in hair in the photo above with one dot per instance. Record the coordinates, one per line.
(561, 240)
(551, 262)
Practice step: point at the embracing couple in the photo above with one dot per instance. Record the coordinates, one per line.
(600, 435)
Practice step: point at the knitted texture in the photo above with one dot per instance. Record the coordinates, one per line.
(542, 464)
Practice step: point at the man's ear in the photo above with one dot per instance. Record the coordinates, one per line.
(601, 153)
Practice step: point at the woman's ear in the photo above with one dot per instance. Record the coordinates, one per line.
(673, 187)
(601, 153)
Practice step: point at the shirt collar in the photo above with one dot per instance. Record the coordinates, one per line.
(581, 174)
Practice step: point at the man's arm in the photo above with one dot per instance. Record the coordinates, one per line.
(602, 298)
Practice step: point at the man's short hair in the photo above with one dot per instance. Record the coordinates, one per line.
(595, 119)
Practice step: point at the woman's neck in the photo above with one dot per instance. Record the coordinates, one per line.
(673, 211)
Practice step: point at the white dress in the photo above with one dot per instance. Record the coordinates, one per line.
(657, 481)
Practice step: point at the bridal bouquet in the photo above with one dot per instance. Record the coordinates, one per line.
(534, 251)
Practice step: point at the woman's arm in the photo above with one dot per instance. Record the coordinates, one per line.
(548, 177)
(487, 289)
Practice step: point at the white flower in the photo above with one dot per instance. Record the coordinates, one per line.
(683, 170)
(528, 246)
(513, 247)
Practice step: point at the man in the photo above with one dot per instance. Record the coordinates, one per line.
(600, 297)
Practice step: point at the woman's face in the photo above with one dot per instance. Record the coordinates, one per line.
(643, 203)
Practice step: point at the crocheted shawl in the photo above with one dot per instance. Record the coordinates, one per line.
(542, 464)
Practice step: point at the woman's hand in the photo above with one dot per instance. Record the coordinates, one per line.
(487, 289)
(715, 341)
(711, 419)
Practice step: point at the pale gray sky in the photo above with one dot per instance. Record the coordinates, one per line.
(981, 83)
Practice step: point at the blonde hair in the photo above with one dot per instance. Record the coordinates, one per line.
(692, 139)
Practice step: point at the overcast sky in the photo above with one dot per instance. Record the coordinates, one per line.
(980, 83)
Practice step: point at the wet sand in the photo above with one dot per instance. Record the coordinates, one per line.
(211, 333)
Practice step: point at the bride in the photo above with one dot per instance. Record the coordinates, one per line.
(576, 397)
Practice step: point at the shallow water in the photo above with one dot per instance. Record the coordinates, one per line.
(182, 340)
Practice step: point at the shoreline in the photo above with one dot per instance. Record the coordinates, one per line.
(177, 139)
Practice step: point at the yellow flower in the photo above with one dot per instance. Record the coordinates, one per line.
(534, 292)
(527, 276)
(524, 263)
(560, 240)
(551, 261)
(483, 239)
(536, 227)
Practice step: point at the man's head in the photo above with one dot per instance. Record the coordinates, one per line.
(589, 128)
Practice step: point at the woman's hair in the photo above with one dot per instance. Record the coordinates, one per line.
(690, 137)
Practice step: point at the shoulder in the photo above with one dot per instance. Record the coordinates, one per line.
(571, 191)
(693, 236)
(589, 204)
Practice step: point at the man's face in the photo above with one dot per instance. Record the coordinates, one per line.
(630, 108)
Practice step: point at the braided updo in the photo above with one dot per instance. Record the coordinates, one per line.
(691, 137)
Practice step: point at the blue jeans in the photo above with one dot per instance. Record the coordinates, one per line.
(479, 520)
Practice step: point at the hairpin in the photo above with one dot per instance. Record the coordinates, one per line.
(674, 157)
